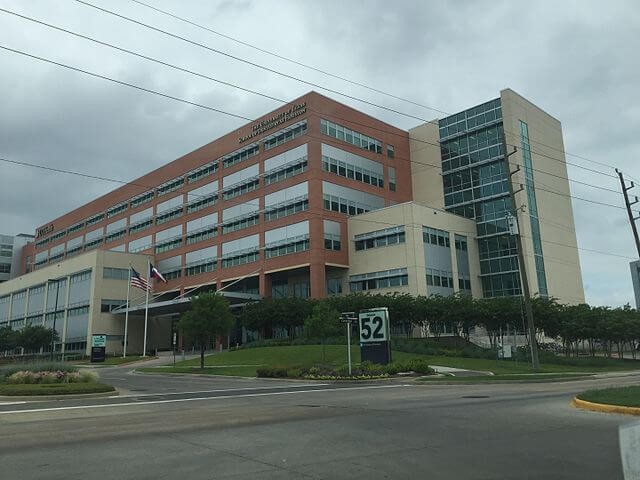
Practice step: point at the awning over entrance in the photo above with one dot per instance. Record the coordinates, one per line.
(182, 304)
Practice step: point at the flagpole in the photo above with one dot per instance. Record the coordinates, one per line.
(146, 309)
(126, 315)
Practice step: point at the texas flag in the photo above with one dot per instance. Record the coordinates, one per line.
(153, 272)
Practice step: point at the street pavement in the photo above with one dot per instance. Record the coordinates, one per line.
(211, 427)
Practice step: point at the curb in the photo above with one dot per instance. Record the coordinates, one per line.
(604, 408)
(44, 398)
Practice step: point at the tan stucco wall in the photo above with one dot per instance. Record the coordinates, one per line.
(410, 254)
(101, 288)
(426, 178)
(557, 228)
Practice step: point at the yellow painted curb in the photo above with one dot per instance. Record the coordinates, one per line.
(602, 407)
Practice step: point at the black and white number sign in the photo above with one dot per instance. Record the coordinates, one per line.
(374, 326)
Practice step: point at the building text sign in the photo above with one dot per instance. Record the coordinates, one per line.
(44, 230)
(272, 122)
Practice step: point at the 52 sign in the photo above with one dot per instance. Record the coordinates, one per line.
(374, 326)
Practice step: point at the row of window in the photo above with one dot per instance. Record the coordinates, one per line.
(293, 246)
(385, 279)
(244, 222)
(289, 170)
(439, 278)
(351, 171)
(380, 238)
(280, 211)
(237, 190)
(475, 117)
(286, 136)
(240, 156)
(350, 136)
(435, 236)
(342, 205)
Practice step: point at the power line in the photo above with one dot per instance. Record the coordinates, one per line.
(282, 57)
(191, 72)
(155, 92)
(234, 57)
(211, 108)
(339, 77)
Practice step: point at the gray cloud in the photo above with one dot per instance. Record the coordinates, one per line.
(574, 59)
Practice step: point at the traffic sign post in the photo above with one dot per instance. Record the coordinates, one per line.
(348, 318)
(375, 345)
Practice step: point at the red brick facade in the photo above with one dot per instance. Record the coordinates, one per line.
(317, 258)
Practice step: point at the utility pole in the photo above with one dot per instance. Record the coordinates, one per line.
(632, 219)
(524, 281)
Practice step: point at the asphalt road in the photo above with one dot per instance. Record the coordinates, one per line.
(209, 428)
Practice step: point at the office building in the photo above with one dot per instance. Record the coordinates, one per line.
(317, 198)
(11, 254)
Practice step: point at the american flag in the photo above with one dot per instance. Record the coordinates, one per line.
(137, 281)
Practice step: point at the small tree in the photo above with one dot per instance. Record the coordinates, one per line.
(324, 322)
(209, 317)
(8, 338)
(34, 337)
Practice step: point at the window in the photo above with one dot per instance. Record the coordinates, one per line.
(116, 209)
(392, 179)
(95, 219)
(288, 208)
(75, 228)
(240, 258)
(138, 227)
(439, 278)
(201, 172)
(93, 244)
(350, 136)
(334, 286)
(169, 244)
(351, 171)
(331, 241)
(301, 290)
(42, 242)
(384, 279)
(170, 186)
(207, 265)
(239, 224)
(107, 306)
(380, 238)
(293, 245)
(342, 205)
(391, 152)
(169, 215)
(288, 170)
(202, 234)
(202, 202)
(115, 273)
(240, 189)
(142, 198)
(58, 235)
(240, 155)
(285, 135)
(172, 274)
(115, 235)
(78, 277)
(279, 288)
(436, 237)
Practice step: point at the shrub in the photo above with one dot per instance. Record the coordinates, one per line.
(294, 373)
(272, 372)
(420, 366)
(8, 370)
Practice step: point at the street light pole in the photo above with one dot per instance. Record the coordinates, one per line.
(55, 315)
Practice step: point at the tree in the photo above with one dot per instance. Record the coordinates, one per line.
(8, 338)
(324, 322)
(34, 337)
(208, 318)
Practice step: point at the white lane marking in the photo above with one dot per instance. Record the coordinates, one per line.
(243, 395)
(12, 403)
(221, 390)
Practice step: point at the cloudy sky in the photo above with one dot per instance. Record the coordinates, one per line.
(575, 59)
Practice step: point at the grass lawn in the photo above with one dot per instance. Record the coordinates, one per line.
(122, 361)
(625, 396)
(53, 389)
(552, 377)
(245, 362)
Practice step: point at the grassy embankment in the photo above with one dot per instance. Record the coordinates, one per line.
(244, 362)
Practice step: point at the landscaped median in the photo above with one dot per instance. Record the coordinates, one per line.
(48, 378)
(309, 362)
(625, 400)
